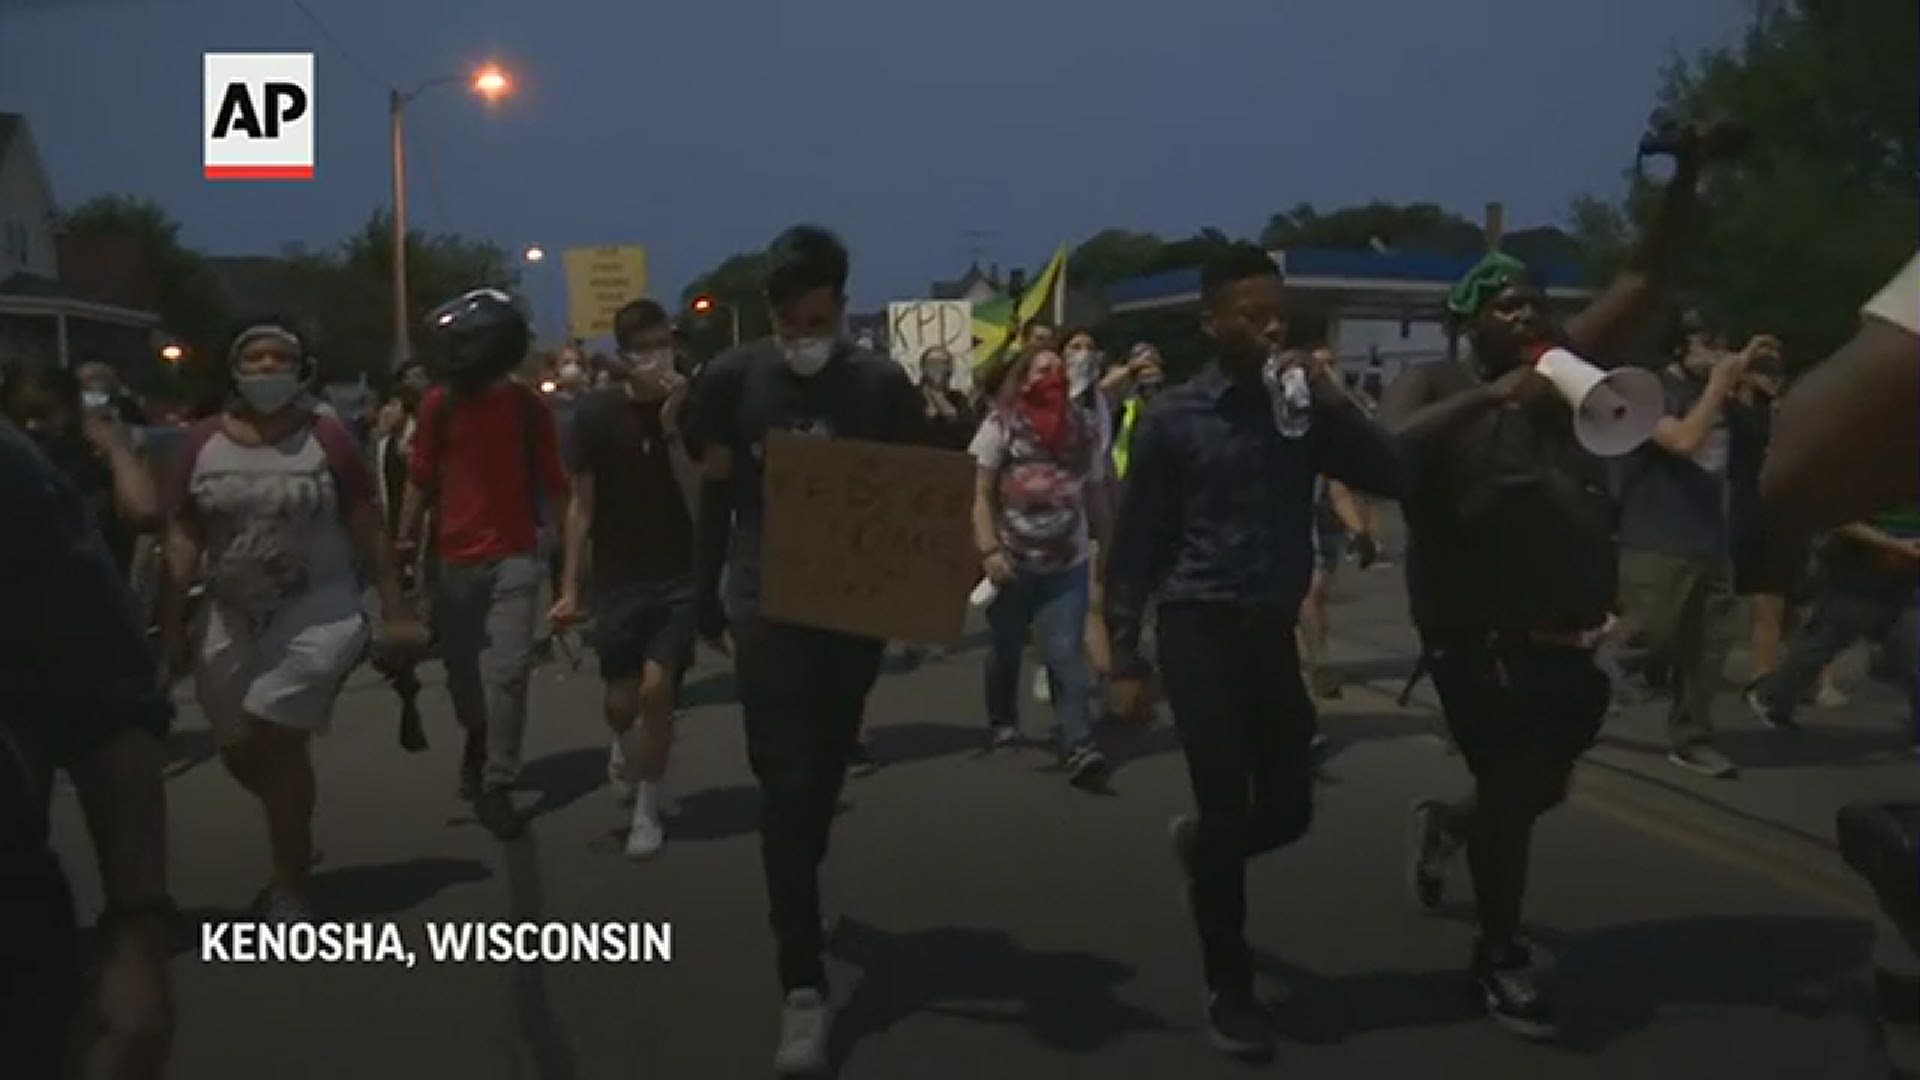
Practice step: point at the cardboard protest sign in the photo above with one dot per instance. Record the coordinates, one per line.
(914, 326)
(868, 538)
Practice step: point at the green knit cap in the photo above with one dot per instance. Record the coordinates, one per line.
(1484, 282)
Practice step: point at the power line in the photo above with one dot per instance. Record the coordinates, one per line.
(341, 46)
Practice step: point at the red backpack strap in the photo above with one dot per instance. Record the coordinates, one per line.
(353, 484)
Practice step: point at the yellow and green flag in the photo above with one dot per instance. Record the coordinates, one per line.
(994, 321)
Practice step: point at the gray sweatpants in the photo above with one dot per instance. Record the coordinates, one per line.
(484, 616)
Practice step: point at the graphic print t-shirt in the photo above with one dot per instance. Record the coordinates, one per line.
(273, 519)
(1042, 519)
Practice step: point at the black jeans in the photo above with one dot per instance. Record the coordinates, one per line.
(802, 692)
(41, 976)
(1840, 618)
(1232, 677)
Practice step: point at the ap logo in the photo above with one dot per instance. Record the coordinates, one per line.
(259, 116)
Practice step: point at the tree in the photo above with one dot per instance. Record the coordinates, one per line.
(738, 288)
(1414, 227)
(192, 305)
(1112, 255)
(353, 291)
(1826, 203)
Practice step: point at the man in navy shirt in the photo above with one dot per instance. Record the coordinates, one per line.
(1217, 525)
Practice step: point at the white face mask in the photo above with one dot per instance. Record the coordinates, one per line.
(648, 361)
(570, 371)
(94, 400)
(806, 356)
(1083, 366)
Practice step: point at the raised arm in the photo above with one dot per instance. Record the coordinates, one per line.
(1600, 330)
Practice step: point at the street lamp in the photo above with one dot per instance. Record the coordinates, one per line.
(535, 253)
(172, 352)
(489, 82)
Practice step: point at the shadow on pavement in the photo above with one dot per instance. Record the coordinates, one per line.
(1610, 983)
(904, 744)
(718, 688)
(717, 814)
(188, 750)
(1065, 1001)
(565, 778)
(1810, 746)
(1616, 981)
(1322, 1010)
(531, 1023)
(363, 892)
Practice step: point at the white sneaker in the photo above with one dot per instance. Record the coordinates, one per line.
(805, 1024)
(1830, 696)
(646, 835)
(1042, 689)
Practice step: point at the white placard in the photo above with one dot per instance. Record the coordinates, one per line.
(914, 326)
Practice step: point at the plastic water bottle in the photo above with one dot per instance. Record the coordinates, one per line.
(1291, 396)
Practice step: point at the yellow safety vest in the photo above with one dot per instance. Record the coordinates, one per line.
(1123, 442)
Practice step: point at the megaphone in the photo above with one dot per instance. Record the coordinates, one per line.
(1613, 411)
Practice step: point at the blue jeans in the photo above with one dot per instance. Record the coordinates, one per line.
(1054, 605)
(1840, 618)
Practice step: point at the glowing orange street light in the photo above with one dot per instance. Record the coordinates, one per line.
(172, 353)
(702, 305)
(491, 82)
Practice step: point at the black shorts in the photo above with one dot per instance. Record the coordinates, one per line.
(1768, 563)
(635, 623)
(1527, 705)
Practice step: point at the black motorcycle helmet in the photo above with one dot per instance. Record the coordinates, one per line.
(480, 336)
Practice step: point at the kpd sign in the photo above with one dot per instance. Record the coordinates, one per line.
(259, 116)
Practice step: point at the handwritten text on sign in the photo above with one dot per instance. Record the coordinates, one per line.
(599, 282)
(914, 326)
(868, 538)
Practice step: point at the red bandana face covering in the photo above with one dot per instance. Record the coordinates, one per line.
(1044, 401)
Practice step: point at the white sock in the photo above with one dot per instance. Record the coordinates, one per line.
(646, 802)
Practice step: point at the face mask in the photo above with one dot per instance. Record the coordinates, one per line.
(269, 393)
(648, 361)
(807, 356)
(1082, 368)
(570, 371)
(95, 399)
(938, 376)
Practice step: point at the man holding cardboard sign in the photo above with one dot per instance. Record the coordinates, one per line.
(785, 489)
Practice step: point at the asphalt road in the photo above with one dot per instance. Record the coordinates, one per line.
(998, 923)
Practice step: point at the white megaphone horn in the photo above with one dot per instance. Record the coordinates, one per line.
(1613, 411)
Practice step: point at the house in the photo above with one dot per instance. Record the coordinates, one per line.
(41, 315)
(975, 286)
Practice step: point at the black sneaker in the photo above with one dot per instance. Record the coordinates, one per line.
(495, 810)
(1514, 994)
(1237, 1025)
(1086, 767)
(1704, 760)
(1763, 710)
(860, 760)
(1427, 855)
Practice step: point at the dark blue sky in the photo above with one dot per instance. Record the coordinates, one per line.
(699, 129)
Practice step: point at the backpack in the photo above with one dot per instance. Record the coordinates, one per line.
(1534, 522)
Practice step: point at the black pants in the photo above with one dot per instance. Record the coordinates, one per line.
(1232, 676)
(802, 692)
(41, 976)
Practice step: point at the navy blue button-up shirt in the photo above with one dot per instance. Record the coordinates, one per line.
(1219, 505)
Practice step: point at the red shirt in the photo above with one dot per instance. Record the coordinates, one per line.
(484, 510)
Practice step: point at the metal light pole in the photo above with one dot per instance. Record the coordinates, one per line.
(489, 83)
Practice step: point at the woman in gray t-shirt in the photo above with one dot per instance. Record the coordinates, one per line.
(273, 507)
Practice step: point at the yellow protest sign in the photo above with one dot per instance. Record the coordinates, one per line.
(601, 280)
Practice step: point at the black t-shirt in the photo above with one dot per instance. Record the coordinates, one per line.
(1510, 521)
(748, 392)
(642, 532)
(955, 432)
